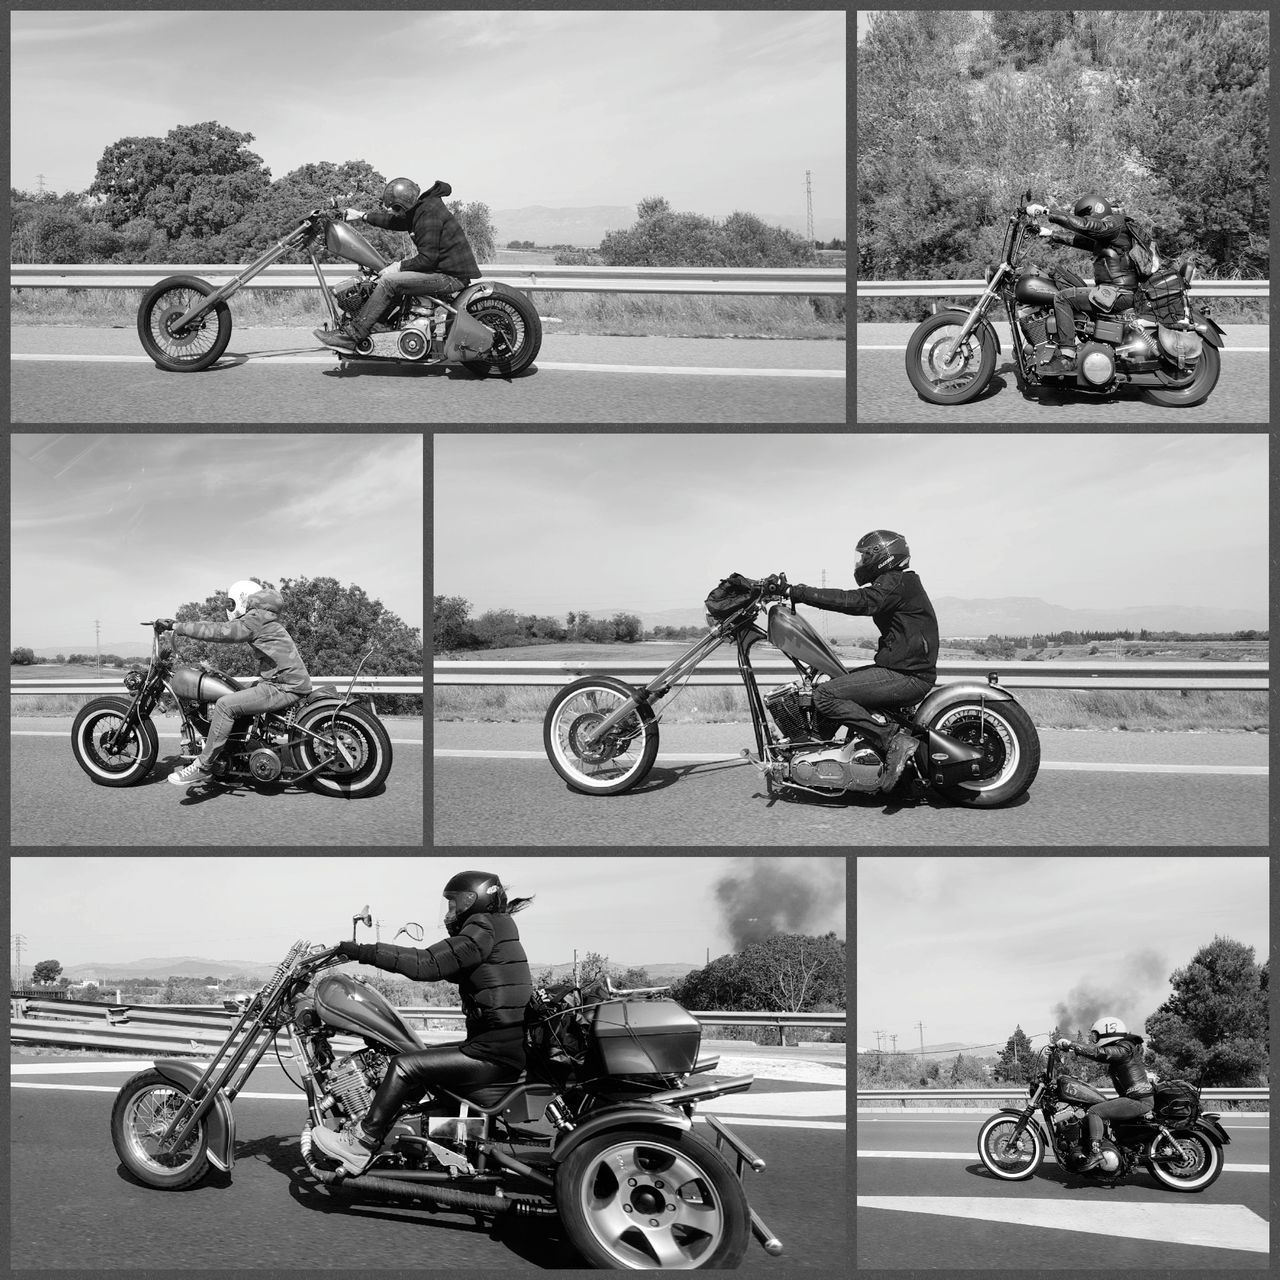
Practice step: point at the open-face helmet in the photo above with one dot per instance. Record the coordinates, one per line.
(471, 893)
(1107, 1029)
(399, 195)
(238, 593)
(1092, 206)
(878, 552)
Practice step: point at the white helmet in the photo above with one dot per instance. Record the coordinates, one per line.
(1107, 1029)
(239, 593)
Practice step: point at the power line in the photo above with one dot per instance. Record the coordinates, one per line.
(808, 199)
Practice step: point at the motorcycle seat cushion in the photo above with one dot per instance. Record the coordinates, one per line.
(489, 1095)
(320, 691)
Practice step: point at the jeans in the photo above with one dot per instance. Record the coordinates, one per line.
(1077, 299)
(852, 698)
(1115, 1109)
(401, 284)
(410, 1075)
(263, 696)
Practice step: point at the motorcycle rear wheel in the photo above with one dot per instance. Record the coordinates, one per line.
(142, 1110)
(619, 762)
(1204, 1157)
(1197, 390)
(1010, 745)
(125, 767)
(956, 381)
(510, 314)
(649, 1199)
(194, 350)
(365, 740)
(1015, 1164)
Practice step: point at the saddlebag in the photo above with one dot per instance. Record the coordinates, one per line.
(1177, 1100)
(1162, 293)
(727, 598)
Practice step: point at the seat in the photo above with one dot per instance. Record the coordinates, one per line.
(488, 1099)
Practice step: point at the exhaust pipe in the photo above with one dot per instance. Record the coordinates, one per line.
(442, 1196)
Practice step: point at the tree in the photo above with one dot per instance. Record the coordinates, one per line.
(1015, 1059)
(786, 971)
(46, 971)
(1216, 1020)
(22, 657)
(477, 223)
(449, 623)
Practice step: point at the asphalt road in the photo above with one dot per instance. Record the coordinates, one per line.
(941, 1202)
(284, 375)
(1093, 789)
(53, 802)
(885, 395)
(73, 1205)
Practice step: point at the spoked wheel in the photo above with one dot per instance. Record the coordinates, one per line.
(111, 753)
(944, 373)
(612, 763)
(142, 1112)
(638, 1200)
(1005, 1152)
(353, 746)
(1193, 1166)
(1183, 393)
(1010, 751)
(514, 320)
(186, 350)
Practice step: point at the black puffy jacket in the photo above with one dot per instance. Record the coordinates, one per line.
(1124, 1065)
(903, 614)
(486, 959)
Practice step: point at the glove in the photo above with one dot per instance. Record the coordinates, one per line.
(353, 215)
(163, 624)
(349, 950)
(1063, 1043)
(1046, 232)
(1036, 210)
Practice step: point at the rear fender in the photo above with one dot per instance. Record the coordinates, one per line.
(984, 326)
(943, 696)
(219, 1123)
(654, 1116)
(1207, 327)
(1209, 1124)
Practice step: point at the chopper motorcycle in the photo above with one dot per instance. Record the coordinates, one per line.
(601, 1119)
(185, 324)
(1178, 1143)
(326, 741)
(977, 746)
(1165, 345)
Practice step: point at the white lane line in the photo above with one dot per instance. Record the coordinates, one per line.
(562, 367)
(55, 733)
(713, 757)
(1214, 1226)
(1049, 1159)
(869, 347)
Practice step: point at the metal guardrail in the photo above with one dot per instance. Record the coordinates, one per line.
(365, 684)
(767, 281)
(965, 288)
(1020, 1092)
(1246, 676)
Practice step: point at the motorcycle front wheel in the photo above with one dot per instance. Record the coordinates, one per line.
(1195, 1166)
(1197, 390)
(1010, 748)
(142, 1111)
(614, 763)
(189, 350)
(353, 746)
(515, 320)
(1010, 1156)
(944, 376)
(122, 763)
(649, 1199)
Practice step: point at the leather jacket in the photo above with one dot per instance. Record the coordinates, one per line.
(1124, 1065)
(1109, 241)
(260, 628)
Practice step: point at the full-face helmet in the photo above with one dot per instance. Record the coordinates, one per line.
(237, 603)
(1092, 206)
(1106, 1030)
(878, 552)
(471, 893)
(399, 195)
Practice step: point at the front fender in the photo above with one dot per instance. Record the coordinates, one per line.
(942, 696)
(653, 1116)
(219, 1123)
(983, 326)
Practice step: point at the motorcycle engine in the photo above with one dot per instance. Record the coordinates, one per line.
(352, 1081)
(785, 707)
(351, 295)
(1034, 322)
(1096, 363)
(265, 764)
(852, 766)
(413, 340)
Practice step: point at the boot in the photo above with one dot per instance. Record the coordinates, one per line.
(1094, 1160)
(1062, 365)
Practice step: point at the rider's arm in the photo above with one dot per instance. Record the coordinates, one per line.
(220, 632)
(388, 221)
(442, 961)
(864, 601)
(428, 234)
(1103, 229)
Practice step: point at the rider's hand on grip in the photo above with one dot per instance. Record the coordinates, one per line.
(1062, 1043)
(1036, 210)
(353, 215)
(1044, 231)
(163, 624)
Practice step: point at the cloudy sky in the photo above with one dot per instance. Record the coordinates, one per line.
(544, 523)
(634, 910)
(717, 111)
(131, 526)
(972, 947)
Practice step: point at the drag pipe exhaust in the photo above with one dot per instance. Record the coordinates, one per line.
(444, 1197)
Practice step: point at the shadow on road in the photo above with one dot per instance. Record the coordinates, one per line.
(373, 367)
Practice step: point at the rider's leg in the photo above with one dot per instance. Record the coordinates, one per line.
(854, 699)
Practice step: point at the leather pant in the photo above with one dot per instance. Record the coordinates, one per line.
(410, 1075)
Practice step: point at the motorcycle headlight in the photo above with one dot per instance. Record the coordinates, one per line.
(133, 680)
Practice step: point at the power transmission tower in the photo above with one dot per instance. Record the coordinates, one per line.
(18, 943)
(879, 1035)
(920, 1027)
(808, 200)
(40, 184)
(893, 1039)
(97, 644)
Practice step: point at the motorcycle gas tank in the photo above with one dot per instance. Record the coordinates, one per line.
(339, 238)
(348, 1004)
(797, 639)
(1034, 289)
(202, 686)
(1070, 1089)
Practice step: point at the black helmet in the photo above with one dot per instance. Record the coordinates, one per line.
(1092, 207)
(471, 893)
(400, 195)
(878, 552)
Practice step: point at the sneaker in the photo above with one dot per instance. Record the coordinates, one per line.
(900, 750)
(345, 1146)
(338, 339)
(190, 774)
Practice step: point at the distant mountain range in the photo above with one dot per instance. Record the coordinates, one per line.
(122, 648)
(588, 225)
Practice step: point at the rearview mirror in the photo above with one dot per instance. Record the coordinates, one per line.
(413, 929)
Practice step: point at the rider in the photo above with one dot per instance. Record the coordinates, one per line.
(906, 662)
(484, 956)
(1101, 229)
(1135, 1096)
(444, 263)
(253, 619)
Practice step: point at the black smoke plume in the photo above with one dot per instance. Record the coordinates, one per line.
(1129, 995)
(764, 896)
